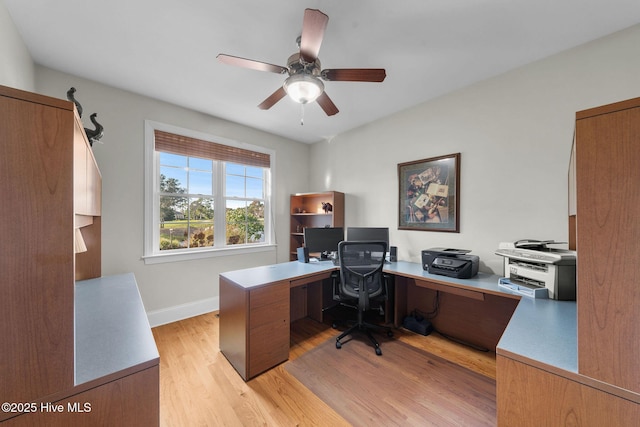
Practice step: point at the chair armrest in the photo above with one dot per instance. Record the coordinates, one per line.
(335, 283)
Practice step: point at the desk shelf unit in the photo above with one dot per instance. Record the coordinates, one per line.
(72, 338)
(306, 211)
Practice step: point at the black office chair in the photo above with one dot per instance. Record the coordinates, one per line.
(362, 281)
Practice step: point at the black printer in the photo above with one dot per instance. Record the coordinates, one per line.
(450, 262)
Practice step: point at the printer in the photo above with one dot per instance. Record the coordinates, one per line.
(450, 262)
(533, 265)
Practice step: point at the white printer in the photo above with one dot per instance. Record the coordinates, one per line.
(531, 265)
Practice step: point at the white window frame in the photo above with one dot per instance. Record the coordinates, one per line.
(152, 253)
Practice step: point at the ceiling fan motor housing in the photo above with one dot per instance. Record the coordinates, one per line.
(297, 65)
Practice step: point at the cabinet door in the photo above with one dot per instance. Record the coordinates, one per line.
(94, 186)
(608, 232)
(131, 401)
(80, 194)
(560, 402)
(268, 327)
(87, 184)
(36, 280)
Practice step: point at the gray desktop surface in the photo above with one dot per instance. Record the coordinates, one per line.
(266, 274)
(482, 282)
(111, 328)
(543, 331)
(540, 331)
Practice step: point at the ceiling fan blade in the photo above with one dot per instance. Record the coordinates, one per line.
(250, 63)
(327, 104)
(354, 74)
(313, 26)
(272, 99)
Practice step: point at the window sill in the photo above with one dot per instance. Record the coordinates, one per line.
(176, 256)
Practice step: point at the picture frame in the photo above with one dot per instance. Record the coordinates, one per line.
(429, 194)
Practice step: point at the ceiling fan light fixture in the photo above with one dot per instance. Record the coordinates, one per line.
(303, 88)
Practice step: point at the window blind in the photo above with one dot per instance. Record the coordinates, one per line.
(193, 147)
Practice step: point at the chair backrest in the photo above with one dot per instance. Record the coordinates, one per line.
(361, 276)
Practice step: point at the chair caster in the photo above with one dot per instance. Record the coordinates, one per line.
(378, 351)
(390, 334)
(338, 344)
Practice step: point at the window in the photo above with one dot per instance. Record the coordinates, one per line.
(204, 196)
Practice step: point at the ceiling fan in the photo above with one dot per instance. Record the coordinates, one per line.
(304, 83)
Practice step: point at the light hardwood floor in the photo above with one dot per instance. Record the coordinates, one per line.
(198, 386)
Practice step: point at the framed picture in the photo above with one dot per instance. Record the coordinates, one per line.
(429, 197)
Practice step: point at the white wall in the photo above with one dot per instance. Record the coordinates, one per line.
(16, 65)
(514, 133)
(175, 289)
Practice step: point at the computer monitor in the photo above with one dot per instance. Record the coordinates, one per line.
(324, 240)
(368, 233)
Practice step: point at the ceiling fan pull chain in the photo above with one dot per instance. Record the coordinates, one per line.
(301, 114)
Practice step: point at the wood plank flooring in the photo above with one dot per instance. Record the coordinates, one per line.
(198, 386)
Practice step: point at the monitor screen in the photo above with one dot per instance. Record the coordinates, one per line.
(324, 240)
(368, 233)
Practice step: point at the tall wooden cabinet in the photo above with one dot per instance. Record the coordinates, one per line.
(605, 388)
(608, 243)
(307, 211)
(50, 235)
(37, 238)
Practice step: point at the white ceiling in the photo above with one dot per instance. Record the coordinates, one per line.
(166, 49)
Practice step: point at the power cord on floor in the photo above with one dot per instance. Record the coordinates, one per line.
(433, 313)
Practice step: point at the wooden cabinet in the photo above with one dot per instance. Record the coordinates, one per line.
(117, 403)
(51, 195)
(268, 327)
(37, 239)
(254, 326)
(535, 397)
(605, 387)
(307, 211)
(87, 195)
(608, 236)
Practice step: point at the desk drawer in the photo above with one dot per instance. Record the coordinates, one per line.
(268, 346)
(268, 331)
(277, 311)
(268, 295)
(310, 279)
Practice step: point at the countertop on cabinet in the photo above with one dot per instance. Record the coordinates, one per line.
(543, 333)
(112, 332)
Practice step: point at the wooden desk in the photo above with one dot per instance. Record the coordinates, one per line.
(255, 311)
(258, 304)
(475, 311)
(535, 339)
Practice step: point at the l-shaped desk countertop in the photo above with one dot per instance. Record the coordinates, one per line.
(541, 332)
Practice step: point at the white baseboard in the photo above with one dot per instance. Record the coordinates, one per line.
(182, 311)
